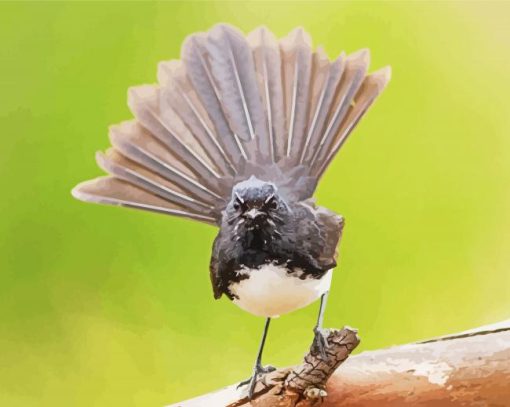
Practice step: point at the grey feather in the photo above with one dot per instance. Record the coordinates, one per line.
(137, 144)
(297, 61)
(194, 57)
(352, 76)
(232, 66)
(114, 191)
(266, 54)
(177, 93)
(115, 164)
(168, 128)
(372, 86)
(325, 91)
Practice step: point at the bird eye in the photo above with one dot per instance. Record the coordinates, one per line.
(271, 204)
(238, 202)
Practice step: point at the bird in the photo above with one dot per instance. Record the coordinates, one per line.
(237, 134)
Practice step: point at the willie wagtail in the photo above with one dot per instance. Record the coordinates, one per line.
(237, 134)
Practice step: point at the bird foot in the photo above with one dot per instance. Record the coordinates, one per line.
(320, 342)
(252, 381)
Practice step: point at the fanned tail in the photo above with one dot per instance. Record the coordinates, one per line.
(232, 108)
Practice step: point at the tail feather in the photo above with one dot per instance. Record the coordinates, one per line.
(194, 57)
(169, 129)
(297, 62)
(234, 107)
(135, 143)
(233, 70)
(115, 164)
(177, 94)
(326, 78)
(266, 54)
(321, 69)
(352, 76)
(372, 86)
(114, 191)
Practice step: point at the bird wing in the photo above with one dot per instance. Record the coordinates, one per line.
(218, 289)
(319, 230)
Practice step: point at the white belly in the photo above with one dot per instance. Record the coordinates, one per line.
(270, 291)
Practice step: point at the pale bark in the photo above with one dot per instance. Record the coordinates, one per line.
(471, 368)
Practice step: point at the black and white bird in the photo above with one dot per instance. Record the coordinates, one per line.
(237, 134)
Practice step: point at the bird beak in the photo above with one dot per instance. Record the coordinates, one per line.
(253, 214)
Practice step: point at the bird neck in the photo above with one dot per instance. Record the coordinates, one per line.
(255, 239)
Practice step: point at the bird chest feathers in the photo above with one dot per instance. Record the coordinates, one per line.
(273, 290)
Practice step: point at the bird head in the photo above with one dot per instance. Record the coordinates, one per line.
(256, 205)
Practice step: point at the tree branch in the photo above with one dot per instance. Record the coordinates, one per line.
(469, 368)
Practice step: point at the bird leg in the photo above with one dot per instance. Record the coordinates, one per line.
(320, 341)
(258, 369)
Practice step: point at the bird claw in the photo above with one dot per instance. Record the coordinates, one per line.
(252, 381)
(320, 342)
(266, 369)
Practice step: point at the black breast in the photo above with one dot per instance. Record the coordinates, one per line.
(305, 241)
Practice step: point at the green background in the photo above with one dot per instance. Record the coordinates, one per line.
(102, 306)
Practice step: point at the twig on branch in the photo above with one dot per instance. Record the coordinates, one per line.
(304, 385)
(471, 368)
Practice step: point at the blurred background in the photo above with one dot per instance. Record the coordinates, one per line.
(102, 306)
